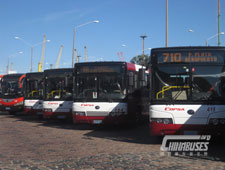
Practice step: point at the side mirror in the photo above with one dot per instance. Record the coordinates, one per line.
(130, 78)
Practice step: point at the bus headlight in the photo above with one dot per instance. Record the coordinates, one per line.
(222, 121)
(17, 104)
(79, 113)
(165, 121)
(112, 114)
(217, 121)
(214, 121)
(47, 110)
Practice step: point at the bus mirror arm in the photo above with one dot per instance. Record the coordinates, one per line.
(141, 77)
(66, 81)
(130, 78)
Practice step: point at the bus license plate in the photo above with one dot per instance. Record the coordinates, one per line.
(39, 113)
(97, 121)
(190, 132)
(61, 117)
(7, 108)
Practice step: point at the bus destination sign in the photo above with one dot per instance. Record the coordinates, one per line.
(190, 57)
(99, 69)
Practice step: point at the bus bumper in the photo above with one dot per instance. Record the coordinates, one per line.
(99, 119)
(57, 115)
(31, 111)
(160, 129)
(11, 108)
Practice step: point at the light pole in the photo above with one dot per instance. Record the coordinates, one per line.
(7, 67)
(74, 32)
(143, 39)
(167, 23)
(32, 48)
(207, 44)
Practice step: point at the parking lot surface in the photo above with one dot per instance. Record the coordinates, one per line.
(27, 142)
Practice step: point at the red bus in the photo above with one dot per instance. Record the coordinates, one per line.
(12, 98)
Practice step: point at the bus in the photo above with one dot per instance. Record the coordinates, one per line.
(58, 93)
(187, 91)
(12, 98)
(33, 96)
(107, 92)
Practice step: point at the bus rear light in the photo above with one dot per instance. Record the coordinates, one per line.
(165, 121)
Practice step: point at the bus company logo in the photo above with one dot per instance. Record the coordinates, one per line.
(85, 105)
(51, 103)
(173, 109)
(185, 145)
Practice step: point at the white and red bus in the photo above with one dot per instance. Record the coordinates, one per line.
(33, 96)
(187, 90)
(58, 93)
(12, 98)
(106, 92)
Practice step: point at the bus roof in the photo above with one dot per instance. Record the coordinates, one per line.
(11, 76)
(35, 75)
(130, 66)
(59, 71)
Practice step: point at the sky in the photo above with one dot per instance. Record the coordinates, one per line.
(121, 23)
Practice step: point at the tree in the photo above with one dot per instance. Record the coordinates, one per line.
(140, 60)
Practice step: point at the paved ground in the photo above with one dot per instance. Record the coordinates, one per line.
(29, 143)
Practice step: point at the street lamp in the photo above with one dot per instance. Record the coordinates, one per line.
(74, 32)
(206, 40)
(190, 30)
(221, 33)
(32, 48)
(12, 55)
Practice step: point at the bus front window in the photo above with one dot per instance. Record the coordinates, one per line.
(206, 83)
(171, 83)
(57, 89)
(101, 86)
(10, 88)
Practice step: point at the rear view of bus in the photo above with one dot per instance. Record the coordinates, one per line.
(187, 90)
(104, 92)
(58, 86)
(33, 96)
(12, 99)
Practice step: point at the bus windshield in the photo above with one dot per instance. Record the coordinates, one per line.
(34, 89)
(185, 82)
(100, 86)
(10, 89)
(58, 88)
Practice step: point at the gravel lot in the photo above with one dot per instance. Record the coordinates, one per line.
(29, 143)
